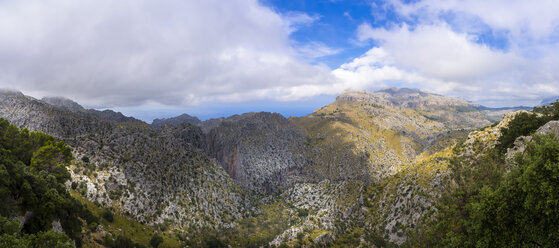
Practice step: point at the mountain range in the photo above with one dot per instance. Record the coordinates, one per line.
(369, 167)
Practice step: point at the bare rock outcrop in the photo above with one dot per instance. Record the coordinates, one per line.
(260, 151)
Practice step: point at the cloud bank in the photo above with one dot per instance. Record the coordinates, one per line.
(182, 53)
(174, 52)
(449, 47)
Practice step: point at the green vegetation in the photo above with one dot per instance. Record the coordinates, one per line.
(494, 204)
(156, 240)
(139, 234)
(526, 123)
(108, 215)
(253, 231)
(32, 172)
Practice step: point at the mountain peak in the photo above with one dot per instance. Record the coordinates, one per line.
(64, 103)
(175, 121)
(403, 98)
(404, 91)
(11, 92)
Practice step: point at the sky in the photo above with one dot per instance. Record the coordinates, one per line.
(212, 58)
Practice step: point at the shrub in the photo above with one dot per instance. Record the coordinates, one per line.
(155, 241)
(108, 215)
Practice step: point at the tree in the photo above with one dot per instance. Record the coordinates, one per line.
(108, 215)
(52, 158)
(50, 239)
(155, 241)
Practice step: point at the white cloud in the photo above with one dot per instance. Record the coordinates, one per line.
(536, 19)
(436, 58)
(124, 53)
(315, 50)
(439, 50)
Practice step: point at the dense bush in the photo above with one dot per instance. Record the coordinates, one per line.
(496, 205)
(108, 215)
(526, 123)
(155, 241)
(32, 173)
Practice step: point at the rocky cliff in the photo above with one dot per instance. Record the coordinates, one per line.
(262, 152)
(370, 165)
(175, 121)
(153, 175)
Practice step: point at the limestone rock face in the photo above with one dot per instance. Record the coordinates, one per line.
(550, 127)
(64, 103)
(375, 134)
(260, 151)
(521, 142)
(154, 175)
(377, 161)
(176, 121)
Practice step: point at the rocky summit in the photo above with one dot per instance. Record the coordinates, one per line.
(367, 170)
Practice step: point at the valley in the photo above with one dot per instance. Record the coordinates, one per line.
(371, 169)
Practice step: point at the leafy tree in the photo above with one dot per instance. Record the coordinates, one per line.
(50, 239)
(491, 207)
(14, 241)
(108, 215)
(32, 170)
(52, 158)
(524, 209)
(155, 241)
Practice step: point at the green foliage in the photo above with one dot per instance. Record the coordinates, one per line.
(526, 123)
(303, 212)
(32, 170)
(523, 209)
(74, 185)
(155, 241)
(47, 239)
(210, 241)
(258, 231)
(522, 124)
(491, 207)
(551, 110)
(120, 242)
(53, 158)
(108, 215)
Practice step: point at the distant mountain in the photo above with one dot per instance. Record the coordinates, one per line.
(175, 121)
(67, 104)
(549, 100)
(361, 171)
(64, 103)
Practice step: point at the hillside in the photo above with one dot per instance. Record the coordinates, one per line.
(369, 169)
(386, 130)
(156, 176)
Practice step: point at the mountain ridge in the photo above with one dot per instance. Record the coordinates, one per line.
(371, 161)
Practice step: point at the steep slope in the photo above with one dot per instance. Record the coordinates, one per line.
(400, 201)
(396, 144)
(260, 151)
(363, 170)
(386, 130)
(175, 121)
(154, 175)
(499, 192)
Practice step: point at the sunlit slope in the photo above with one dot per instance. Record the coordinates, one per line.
(365, 134)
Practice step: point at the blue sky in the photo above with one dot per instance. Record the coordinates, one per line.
(217, 58)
